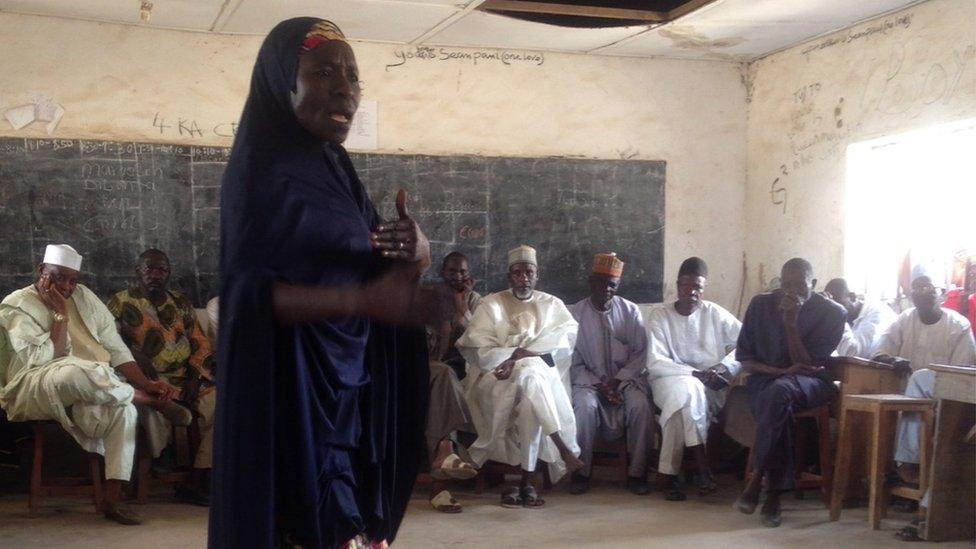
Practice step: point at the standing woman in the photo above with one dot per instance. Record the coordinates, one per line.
(320, 418)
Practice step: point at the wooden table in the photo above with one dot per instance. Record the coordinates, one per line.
(952, 505)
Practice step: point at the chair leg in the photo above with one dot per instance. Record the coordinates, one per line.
(925, 448)
(142, 476)
(843, 467)
(879, 460)
(34, 495)
(826, 458)
(95, 466)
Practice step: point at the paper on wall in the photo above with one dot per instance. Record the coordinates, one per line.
(55, 119)
(362, 134)
(20, 116)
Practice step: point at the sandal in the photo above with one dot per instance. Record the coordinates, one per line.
(909, 533)
(512, 498)
(445, 503)
(453, 467)
(531, 499)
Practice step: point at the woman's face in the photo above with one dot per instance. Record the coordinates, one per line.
(327, 91)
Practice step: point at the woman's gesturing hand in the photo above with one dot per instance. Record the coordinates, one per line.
(402, 239)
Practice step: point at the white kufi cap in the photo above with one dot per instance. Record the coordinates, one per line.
(62, 255)
(522, 254)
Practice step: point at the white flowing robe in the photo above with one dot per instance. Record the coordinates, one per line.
(514, 417)
(680, 345)
(34, 385)
(863, 337)
(948, 341)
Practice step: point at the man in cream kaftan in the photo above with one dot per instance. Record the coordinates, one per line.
(62, 359)
(518, 347)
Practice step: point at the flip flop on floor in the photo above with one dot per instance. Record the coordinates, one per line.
(530, 498)
(909, 533)
(511, 498)
(453, 467)
(445, 503)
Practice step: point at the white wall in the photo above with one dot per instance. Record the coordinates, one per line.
(806, 104)
(115, 80)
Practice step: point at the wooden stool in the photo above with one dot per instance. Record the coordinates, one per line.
(805, 480)
(881, 408)
(63, 485)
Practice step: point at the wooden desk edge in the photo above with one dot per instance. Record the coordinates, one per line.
(963, 370)
(858, 361)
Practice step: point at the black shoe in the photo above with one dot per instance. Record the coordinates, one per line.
(770, 514)
(746, 504)
(122, 515)
(193, 496)
(638, 486)
(579, 484)
(706, 484)
(672, 489)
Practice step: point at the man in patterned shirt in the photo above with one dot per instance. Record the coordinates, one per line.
(160, 327)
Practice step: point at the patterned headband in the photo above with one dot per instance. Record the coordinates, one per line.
(322, 31)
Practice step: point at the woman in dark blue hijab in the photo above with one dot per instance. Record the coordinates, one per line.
(321, 399)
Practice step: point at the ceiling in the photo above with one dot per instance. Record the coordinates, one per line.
(736, 30)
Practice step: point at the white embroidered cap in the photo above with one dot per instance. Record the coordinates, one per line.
(522, 254)
(62, 255)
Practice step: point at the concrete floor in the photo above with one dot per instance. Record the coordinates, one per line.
(606, 517)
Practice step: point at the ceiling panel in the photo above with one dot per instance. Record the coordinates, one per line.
(479, 29)
(724, 29)
(179, 14)
(747, 29)
(378, 20)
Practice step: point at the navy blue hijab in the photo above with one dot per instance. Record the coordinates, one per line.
(319, 426)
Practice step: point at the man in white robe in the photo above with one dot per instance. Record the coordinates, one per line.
(924, 335)
(690, 365)
(867, 321)
(518, 347)
(610, 392)
(62, 361)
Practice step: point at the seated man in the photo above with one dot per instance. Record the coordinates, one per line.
(786, 337)
(866, 320)
(62, 363)
(923, 335)
(690, 365)
(447, 412)
(161, 329)
(518, 347)
(610, 392)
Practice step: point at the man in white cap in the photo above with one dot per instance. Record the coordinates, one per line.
(921, 336)
(62, 361)
(518, 348)
(610, 391)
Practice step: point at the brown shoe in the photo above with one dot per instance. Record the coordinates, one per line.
(122, 515)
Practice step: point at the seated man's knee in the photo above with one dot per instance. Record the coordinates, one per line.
(585, 400)
(921, 384)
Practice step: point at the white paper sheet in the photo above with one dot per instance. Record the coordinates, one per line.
(20, 116)
(362, 135)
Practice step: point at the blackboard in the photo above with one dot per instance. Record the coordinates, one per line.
(111, 200)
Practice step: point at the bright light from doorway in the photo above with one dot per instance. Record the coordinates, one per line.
(912, 193)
